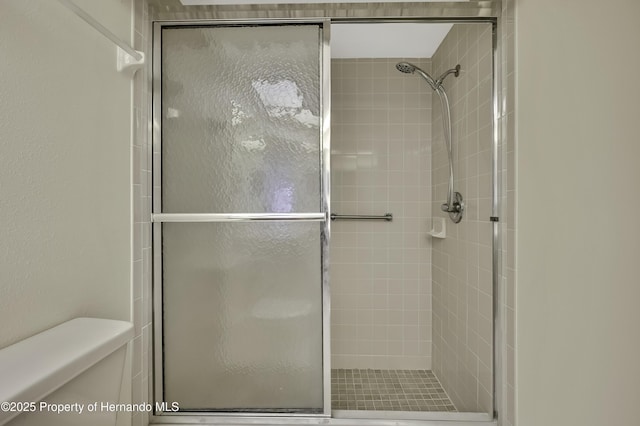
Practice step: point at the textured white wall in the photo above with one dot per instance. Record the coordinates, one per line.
(578, 315)
(64, 167)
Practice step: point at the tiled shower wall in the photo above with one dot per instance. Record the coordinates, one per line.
(380, 271)
(141, 250)
(462, 263)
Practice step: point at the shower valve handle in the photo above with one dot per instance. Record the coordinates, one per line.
(455, 209)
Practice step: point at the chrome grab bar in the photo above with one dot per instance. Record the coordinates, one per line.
(387, 216)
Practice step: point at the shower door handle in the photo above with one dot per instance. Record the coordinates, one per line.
(238, 217)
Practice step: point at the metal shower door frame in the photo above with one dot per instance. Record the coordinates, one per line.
(158, 217)
(487, 11)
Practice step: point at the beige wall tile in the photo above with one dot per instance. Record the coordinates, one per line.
(389, 171)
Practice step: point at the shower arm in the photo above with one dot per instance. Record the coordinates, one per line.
(455, 71)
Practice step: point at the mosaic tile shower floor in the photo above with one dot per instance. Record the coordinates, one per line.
(388, 390)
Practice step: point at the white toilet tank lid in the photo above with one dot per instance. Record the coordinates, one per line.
(33, 368)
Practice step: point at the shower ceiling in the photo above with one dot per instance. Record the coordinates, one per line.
(389, 40)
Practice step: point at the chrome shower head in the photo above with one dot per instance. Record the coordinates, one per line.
(406, 67)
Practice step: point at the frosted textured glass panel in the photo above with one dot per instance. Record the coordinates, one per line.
(241, 119)
(243, 315)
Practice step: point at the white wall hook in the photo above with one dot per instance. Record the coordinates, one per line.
(127, 64)
(438, 227)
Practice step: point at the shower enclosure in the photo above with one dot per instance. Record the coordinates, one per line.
(246, 328)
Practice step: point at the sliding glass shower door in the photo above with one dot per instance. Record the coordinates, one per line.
(240, 230)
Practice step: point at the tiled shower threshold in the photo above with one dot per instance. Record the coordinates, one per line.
(388, 390)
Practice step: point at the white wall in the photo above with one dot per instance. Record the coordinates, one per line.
(578, 297)
(64, 167)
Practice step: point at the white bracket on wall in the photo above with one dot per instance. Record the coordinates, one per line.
(127, 64)
(128, 59)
